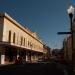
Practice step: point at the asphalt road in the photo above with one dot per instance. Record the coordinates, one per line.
(32, 69)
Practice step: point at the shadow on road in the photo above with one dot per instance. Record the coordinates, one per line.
(32, 68)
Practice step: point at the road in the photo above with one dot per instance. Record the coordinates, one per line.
(33, 69)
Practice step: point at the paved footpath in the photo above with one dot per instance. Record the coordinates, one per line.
(33, 69)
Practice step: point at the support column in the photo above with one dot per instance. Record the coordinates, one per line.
(17, 54)
(26, 56)
(2, 49)
(32, 57)
(2, 59)
(35, 57)
(29, 56)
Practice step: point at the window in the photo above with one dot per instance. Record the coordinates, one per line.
(9, 38)
(21, 40)
(17, 39)
(24, 41)
(14, 37)
(28, 43)
(31, 45)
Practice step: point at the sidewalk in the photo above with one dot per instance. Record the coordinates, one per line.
(2, 65)
(68, 69)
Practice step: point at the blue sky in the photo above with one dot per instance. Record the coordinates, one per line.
(46, 17)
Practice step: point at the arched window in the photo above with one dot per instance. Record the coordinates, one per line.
(9, 37)
(14, 37)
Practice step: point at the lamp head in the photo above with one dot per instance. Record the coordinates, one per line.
(70, 10)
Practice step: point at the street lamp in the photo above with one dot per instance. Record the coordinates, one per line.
(70, 11)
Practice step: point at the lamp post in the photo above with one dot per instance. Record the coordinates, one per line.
(70, 11)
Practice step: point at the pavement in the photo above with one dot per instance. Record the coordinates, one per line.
(34, 68)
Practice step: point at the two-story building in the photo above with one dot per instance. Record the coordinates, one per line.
(16, 41)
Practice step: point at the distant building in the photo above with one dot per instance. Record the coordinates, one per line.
(47, 52)
(17, 41)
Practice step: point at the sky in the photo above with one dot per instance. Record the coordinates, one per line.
(45, 17)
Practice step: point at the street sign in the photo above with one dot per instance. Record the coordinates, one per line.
(64, 33)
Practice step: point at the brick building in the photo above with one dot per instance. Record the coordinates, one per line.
(69, 54)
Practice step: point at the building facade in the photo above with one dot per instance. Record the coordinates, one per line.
(17, 41)
(69, 53)
(68, 49)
